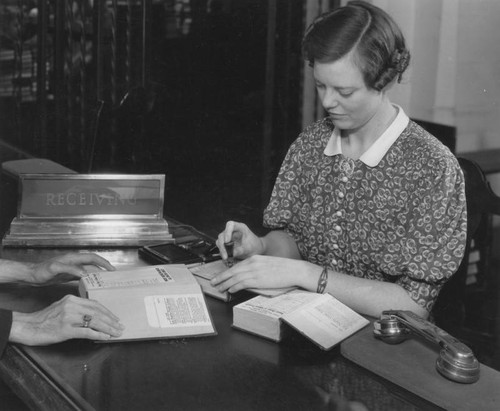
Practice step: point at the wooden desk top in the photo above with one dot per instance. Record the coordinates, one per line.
(488, 160)
(233, 370)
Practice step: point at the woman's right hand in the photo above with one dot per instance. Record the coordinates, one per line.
(246, 243)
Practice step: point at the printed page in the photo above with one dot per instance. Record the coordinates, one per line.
(105, 279)
(165, 311)
(136, 277)
(157, 312)
(326, 321)
(279, 305)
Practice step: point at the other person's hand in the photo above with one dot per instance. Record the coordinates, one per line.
(67, 267)
(70, 317)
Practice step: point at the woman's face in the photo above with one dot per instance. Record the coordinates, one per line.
(344, 94)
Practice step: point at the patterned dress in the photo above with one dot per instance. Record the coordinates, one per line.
(403, 220)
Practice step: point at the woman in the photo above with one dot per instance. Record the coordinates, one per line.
(367, 206)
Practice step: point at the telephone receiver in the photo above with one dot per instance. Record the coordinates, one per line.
(456, 361)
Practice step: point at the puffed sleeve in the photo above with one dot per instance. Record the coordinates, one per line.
(5, 326)
(291, 198)
(434, 243)
(286, 197)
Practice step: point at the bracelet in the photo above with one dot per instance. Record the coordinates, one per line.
(323, 280)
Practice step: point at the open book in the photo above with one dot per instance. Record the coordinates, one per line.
(206, 271)
(161, 301)
(320, 317)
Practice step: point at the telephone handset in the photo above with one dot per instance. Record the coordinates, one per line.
(456, 360)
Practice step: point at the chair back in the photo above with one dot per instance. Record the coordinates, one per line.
(482, 203)
(481, 200)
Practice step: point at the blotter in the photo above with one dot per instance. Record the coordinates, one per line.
(411, 365)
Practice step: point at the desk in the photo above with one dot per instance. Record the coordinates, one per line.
(488, 160)
(230, 371)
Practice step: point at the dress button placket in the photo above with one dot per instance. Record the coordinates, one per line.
(347, 167)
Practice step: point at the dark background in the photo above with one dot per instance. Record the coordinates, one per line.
(217, 107)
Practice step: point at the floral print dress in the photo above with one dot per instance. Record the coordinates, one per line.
(403, 220)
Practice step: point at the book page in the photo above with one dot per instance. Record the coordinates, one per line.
(136, 277)
(326, 321)
(208, 270)
(184, 310)
(103, 279)
(278, 306)
(158, 311)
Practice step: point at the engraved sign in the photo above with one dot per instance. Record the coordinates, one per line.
(91, 196)
(74, 210)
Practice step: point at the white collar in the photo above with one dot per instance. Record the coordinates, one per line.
(376, 152)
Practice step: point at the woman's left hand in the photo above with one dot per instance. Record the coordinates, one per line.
(261, 271)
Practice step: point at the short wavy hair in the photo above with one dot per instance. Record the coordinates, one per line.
(377, 43)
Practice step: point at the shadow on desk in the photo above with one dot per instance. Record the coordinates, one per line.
(9, 401)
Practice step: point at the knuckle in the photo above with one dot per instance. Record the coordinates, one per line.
(53, 265)
(67, 299)
(71, 298)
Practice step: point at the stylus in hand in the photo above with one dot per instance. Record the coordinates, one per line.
(230, 258)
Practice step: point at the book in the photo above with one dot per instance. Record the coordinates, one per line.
(206, 271)
(154, 302)
(320, 317)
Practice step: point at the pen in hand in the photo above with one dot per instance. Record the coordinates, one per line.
(229, 246)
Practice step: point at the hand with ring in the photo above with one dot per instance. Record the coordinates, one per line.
(87, 318)
(63, 320)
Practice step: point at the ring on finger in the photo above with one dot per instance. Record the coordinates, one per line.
(87, 318)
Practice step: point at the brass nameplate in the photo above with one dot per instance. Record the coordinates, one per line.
(89, 210)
